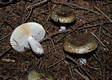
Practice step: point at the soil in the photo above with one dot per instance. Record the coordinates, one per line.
(16, 66)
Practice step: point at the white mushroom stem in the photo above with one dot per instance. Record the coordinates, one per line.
(35, 45)
(62, 28)
(82, 61)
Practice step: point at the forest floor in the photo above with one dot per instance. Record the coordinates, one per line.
(94, 16)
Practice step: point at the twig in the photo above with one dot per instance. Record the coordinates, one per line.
(95, 68)
(37, 4)
(107, 30)
(83, 76)
(5, 36)
(30, 13)
(2, 54)
(8, 60)
(108, 35)
(95, 25)
(54, 34)
(103, 14)
(71, 71)
(103, 58)
(2, 3)
(9, 25)
(94, 55)
(79, 66)
(53, 44)
(103, 67)
(56, 63)
(76, 6)
(99, 40)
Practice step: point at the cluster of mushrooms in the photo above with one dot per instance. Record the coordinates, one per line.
(29, 35)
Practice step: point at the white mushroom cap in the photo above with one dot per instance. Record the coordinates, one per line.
(20, 36)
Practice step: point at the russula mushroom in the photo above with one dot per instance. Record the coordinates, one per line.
(28, 35)
(63, 15)
(34, 75)
(80, 43)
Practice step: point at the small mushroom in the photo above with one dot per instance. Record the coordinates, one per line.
(34, 75)
(63, 15)
(80, 43)
(28, 35)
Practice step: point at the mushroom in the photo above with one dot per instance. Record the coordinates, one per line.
(63, 15)
(80, 43)
(28, 35)
(34, 75)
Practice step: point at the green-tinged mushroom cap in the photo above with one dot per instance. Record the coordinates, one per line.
(63, 15)
(33, 75)
(80, 43)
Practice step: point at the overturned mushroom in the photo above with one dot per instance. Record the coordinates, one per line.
(80, 43)
(28, 35)
(63, 15)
